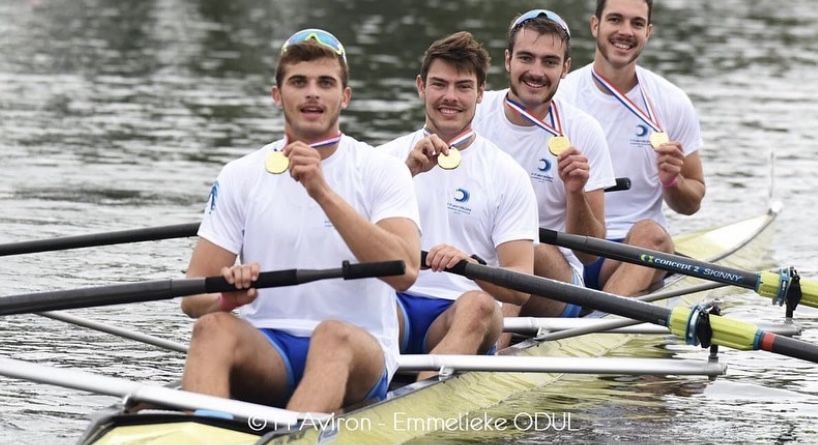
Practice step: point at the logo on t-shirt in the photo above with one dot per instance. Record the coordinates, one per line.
(458, 202)
(641, 136)
(461, 195)
(214, 195)
(542, 173)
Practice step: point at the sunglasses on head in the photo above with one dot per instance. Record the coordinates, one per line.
(320, 36)
(537, 13)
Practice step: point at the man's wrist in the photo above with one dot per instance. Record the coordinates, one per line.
(672, 183)
(225, 305)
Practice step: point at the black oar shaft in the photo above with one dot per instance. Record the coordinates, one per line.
(564, 292)
(161, 290)
(99, 296)
(100, 239)
(788, 346)
(651, 258)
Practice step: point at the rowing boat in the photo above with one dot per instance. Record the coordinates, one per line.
(395, 420)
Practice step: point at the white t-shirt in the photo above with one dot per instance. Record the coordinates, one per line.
(528, 145)
(270, 219)
(483, 203)
(627, 136)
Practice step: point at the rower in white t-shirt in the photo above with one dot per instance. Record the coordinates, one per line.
(562, 149)
(653, 134)
(311, 200)
(476, 204)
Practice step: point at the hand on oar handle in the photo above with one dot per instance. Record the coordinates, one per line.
(242, 277)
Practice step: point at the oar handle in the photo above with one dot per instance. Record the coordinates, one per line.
(621, 185)
(290, 277)
(166, 289)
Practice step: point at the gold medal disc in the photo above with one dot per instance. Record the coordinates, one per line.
(276, 163)
(558, 144)
(658, 139)
(450, 162)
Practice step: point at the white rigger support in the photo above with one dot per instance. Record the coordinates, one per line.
(154, 394)
(568, 365)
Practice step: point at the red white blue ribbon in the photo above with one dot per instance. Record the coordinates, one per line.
(553, 112)
(648, 116)
(320, 144)
(457, 141)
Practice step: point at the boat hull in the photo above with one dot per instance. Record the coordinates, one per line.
(425, 407)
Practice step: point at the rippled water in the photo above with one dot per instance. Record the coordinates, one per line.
(118, 115)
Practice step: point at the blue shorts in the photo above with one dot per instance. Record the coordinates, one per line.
(573, 310)
(418, 315)
(591, 273)
(293, 352)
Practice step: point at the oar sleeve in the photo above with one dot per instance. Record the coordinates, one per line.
(726, 332)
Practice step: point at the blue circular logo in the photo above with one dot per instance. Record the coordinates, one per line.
(461, 195)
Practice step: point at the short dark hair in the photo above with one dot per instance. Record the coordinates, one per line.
(542, 26)
(600, 6)
(463, 51)
(308, 51)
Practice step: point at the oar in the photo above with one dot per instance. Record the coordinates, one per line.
(623, 323)
(569, 365)
(158, 395)
(116, 330)
(166, 289)
(100, 239)
(689, 324)
(783, 286)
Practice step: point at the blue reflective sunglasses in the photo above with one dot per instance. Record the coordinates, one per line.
(537, 13)
(319, 36)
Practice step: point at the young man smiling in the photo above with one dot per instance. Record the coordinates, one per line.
(478, 208)
(310, 200)
(654, 136)
(561, 148)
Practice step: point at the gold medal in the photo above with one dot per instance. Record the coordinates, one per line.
(658, 139)
(558, 144)
(450, 162)
(276, 163)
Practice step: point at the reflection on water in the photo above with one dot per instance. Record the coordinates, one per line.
(119, 114)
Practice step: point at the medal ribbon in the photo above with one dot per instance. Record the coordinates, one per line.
(556, 120)
(320, 144)
(456, 141)
(648, 116)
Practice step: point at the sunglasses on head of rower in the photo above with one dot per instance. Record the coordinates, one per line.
(320, 36)
(537, 13)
